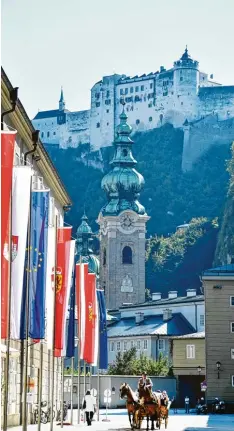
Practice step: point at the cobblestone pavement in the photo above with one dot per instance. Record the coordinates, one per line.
(118, 420)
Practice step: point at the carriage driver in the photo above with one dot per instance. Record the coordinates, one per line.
(144, 382)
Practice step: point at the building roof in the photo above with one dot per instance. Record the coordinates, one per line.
(151, 325)
(46, 165)
(54, 113)
(220, 89)
(225, 270)
(166, 301)
(194, 335)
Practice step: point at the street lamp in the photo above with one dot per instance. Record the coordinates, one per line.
(218, 365)
(199, 369)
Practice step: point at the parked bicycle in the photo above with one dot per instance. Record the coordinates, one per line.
(65, 410)
(44, 419)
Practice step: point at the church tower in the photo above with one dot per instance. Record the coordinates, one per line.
(61, 101)
(122, 223)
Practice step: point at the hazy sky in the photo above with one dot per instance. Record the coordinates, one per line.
(49, 43)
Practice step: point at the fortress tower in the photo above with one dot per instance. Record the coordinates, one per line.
(122, 226)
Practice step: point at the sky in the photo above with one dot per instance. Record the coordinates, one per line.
(47, 44)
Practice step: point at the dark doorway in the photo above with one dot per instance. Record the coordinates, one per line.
(190, 386)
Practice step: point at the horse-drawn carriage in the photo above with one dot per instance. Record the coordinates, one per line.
(147, 405)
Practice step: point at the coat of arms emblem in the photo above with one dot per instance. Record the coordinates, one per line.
(14, 248)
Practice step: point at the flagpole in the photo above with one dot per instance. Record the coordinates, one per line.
(28, 272)
(98, 389)
(53, 338)
(62, 388)
(8, 322)
(72, 381)
(79, 335)
(40, 387)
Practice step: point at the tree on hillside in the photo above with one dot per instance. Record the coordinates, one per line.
(128, 363)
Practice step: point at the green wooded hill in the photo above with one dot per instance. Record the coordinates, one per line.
(170, 197)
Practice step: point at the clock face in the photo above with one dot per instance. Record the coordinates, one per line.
(127, 222)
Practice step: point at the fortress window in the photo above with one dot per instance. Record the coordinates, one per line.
(137, 122)
(125, 152)
(142, 87)
(131, 89)
(121, 91)
(107, 102)
(97, 95)
(107, 111)
(181, 78)
(137, 88)
(127, 255)
(151, 85)
(126, 90)
(150, 105)
(48, 134)
(165, 93)
(150, 118)
(54, 133)
(104, 257)
(128, 99)
(98, 125)
(137, 99)
(150, 95)
(98, 104)
(42, 134)
(108, 94)
(107, 124)
(182, 103)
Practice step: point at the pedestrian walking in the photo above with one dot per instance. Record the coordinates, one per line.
(89, 407)
(186, 400)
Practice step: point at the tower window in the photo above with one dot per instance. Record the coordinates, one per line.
(104, 257)
(151, 85)
(125, 152)
(181, 78)
(108, 102)
(42, 134)
(150, 118)
(107, 94)
(98, 104)
(48, 134)
(98, 125)
(137, 122)
(127, 255)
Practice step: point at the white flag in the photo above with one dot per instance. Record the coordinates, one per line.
(70, 244)
(50, 286)
(20, 215)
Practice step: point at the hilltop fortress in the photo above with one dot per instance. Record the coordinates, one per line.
(182, 96)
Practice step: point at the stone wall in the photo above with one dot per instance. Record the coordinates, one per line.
(201, 135)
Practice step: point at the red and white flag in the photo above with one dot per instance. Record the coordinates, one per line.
(71, 244)
(7, 157)
(87, 313)
(50, 280)
(20, 216)
(63, 259)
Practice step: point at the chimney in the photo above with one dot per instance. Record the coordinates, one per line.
(172, 294)
(167, 314)
(162, 68)
(156, 296)
(191, 292)
(139, 317)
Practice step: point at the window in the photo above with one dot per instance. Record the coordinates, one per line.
(125, 152)
(125, 346)
(107, 94)
(151, 85)
(136, 88)
(104, 257)
(137, 122)
(232, 353)
(232, 301)
(233, 381)
(181, 78)
(112, 346)
(98, 104)
(232, 327)
(150, 105)
(165, 93)
(145, 344)
(98, 125)
(54, 133)
(150, 95)
(182, 103)
(118, 346)
(126, 90)
(107, 111)
(137, 99)
(131, 89)
(42, 134)
(142, 87)
(97, 95)
(108, 102)
(161, 344)
(121, 91)
(138, 344)
(48, 134)
(202, 319)
(150, 119)
(107, 124)
(190, 351)
(127, 255)
(128, 99)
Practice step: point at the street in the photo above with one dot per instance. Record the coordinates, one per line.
(118, 420)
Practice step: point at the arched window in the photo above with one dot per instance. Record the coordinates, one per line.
(104, 257)
(127, 255)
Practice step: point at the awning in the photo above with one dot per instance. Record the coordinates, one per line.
(13, 352)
